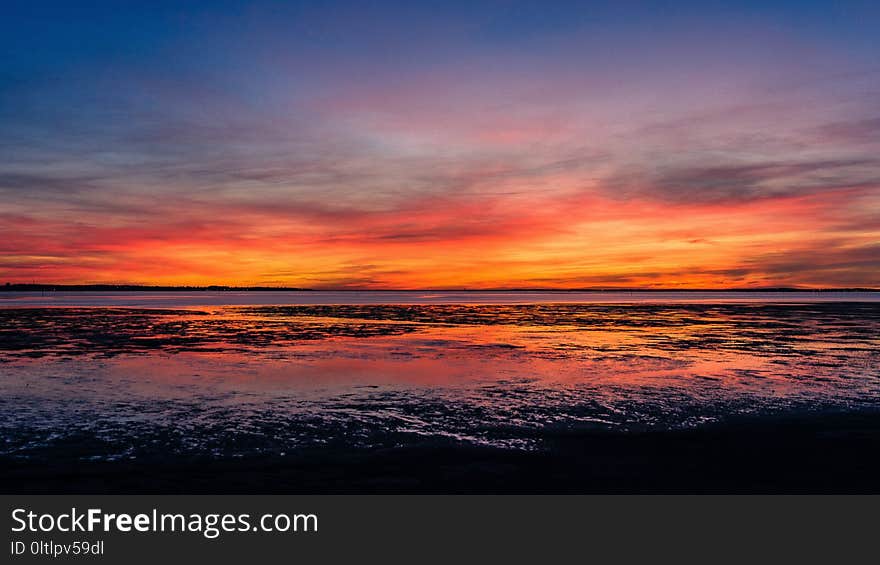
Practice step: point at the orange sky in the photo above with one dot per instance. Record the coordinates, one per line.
(479, 242)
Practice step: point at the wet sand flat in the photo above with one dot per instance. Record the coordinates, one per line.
(549, 397)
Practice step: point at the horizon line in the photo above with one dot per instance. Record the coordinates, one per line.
(121, 287)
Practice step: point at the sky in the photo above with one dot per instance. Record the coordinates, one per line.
(482, 144)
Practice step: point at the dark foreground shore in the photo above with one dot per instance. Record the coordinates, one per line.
(822, 453)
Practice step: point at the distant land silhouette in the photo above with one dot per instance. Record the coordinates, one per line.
(42, 287)
(136, 287)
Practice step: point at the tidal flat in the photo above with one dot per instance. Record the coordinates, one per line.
(757, 396)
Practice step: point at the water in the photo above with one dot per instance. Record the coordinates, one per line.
(228, 298)
(119, 381)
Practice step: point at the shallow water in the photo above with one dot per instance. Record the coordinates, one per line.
(183, 299)
(102, 383)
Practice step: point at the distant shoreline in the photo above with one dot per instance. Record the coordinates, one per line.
(37, 287)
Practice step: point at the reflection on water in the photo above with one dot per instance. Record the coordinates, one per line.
(111, 383)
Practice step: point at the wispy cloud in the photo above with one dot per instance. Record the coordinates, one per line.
(574, 154)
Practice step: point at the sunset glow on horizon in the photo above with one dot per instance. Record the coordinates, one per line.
(447, 145)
